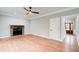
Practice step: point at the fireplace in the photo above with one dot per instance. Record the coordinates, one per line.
(16, 30)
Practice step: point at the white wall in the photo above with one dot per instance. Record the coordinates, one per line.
(6, 21)
(77, 28)
(40, 27)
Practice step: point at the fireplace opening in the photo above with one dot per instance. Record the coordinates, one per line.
(16, 30)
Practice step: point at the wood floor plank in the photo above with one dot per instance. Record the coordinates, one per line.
(30, 43)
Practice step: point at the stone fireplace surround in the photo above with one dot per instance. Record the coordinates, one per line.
(16, 30)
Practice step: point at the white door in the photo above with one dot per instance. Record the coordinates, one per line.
(54, 29)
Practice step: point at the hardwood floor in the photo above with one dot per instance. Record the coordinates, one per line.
(30, 43)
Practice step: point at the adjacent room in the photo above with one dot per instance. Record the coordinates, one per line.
(39, 29)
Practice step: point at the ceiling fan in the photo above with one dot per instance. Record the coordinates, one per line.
(30, 11)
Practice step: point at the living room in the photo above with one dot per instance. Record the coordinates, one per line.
(49, 24)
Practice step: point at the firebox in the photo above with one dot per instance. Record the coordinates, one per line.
(16, 30)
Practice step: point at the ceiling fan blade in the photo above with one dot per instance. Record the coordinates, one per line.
(35, 12)
(25, 9)
(27, 13)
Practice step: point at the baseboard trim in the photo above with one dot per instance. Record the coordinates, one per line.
(40, 36)
(4, 36)
(47, 37)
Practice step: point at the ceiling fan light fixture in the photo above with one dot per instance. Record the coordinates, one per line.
(30, 12)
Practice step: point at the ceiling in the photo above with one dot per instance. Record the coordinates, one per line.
(20, 12)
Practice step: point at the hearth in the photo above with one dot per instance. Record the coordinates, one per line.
(16, 30)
